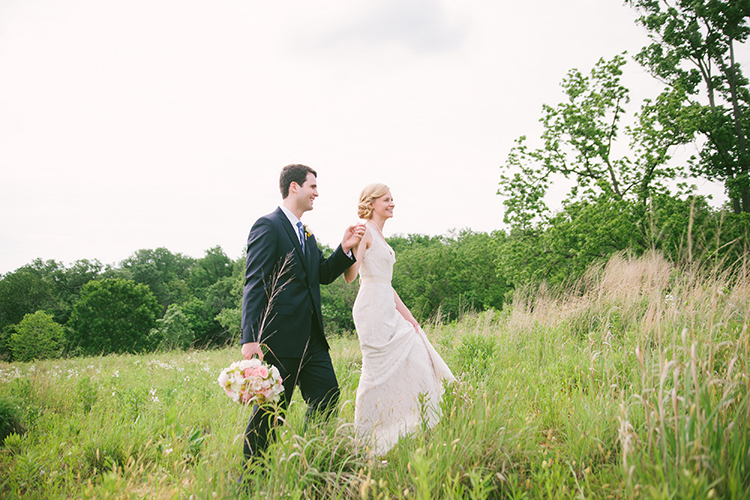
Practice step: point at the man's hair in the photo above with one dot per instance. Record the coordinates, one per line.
(293, 173)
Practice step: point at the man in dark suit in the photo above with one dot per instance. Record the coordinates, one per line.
(281, 302)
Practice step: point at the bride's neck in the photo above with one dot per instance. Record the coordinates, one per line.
(379, 223)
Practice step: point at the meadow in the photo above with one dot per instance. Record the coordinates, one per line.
(630, 383)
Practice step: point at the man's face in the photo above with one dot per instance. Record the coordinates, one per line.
(306, 193)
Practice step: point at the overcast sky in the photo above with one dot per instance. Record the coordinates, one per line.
(164, 123)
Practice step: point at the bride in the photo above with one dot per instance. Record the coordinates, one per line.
(402, 375)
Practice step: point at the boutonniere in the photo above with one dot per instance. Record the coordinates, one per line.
(307, 230)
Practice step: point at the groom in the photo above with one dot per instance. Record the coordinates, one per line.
(281, 302)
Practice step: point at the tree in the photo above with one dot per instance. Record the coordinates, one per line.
(42, 285)
(202, 320)
(173, 331)
(214, 266)
(70, 281)
(23, 292)
(590, 231)
(165, 273)
(693, 46)
(580, 143)
(37, 336)
(453, 275)
(113, 316)
(337, 300)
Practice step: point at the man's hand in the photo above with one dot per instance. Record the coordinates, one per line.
(352, 236)
(252, 348)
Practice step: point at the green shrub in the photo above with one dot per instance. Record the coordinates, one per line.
(230, 320)
(37, 336)
(173, 331)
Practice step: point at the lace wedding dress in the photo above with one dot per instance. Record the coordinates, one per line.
(402, 375)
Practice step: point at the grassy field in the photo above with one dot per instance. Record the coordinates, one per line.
(632, 383)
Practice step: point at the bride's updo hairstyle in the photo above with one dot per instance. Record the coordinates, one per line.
(370, 194)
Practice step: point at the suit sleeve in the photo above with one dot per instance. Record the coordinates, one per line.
(332, 267)
(260, 262)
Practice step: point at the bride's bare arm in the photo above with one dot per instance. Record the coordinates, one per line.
(401, 308)
(359, 253)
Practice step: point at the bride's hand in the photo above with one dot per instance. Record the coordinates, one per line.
(414, 323)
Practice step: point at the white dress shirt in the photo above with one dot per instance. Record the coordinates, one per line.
(293, 220)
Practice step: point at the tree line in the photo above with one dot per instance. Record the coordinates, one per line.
(157, 300)
(627, 194)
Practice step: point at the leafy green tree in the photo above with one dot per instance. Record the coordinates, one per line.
(44, 285)
(337, 301)
(230, 320)
(165, 273)
(400, 242)
(582, 233)
(221, 295)
(214, 266)
(173, 331)
(457, 274)
(581, 144)
(37, 336)
(693, 51)
(113, 316)
(70, 281)
(230, 317)
(590, 231)
(23, 292)
(203, 322)
(620, 197)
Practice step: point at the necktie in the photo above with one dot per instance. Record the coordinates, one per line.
(301, 235)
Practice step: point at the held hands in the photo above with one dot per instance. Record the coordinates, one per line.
(250, 349)
(352, 236)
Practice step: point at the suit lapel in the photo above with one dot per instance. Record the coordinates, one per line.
(292, 236)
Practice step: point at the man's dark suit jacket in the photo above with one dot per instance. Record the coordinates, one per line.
(285, 327)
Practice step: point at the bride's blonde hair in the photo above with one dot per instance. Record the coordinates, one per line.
(370, 194)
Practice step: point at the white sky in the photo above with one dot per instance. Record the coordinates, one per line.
(140, 124)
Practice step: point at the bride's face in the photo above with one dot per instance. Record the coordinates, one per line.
(383, 207)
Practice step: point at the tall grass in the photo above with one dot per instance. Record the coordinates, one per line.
(631, 383)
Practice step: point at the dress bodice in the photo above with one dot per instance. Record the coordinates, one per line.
(377, 264)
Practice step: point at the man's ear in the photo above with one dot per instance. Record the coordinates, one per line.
(293, 187)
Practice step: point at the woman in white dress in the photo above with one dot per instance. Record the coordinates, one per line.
(402, 376)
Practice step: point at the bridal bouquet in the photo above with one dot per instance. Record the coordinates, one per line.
(251, 381)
